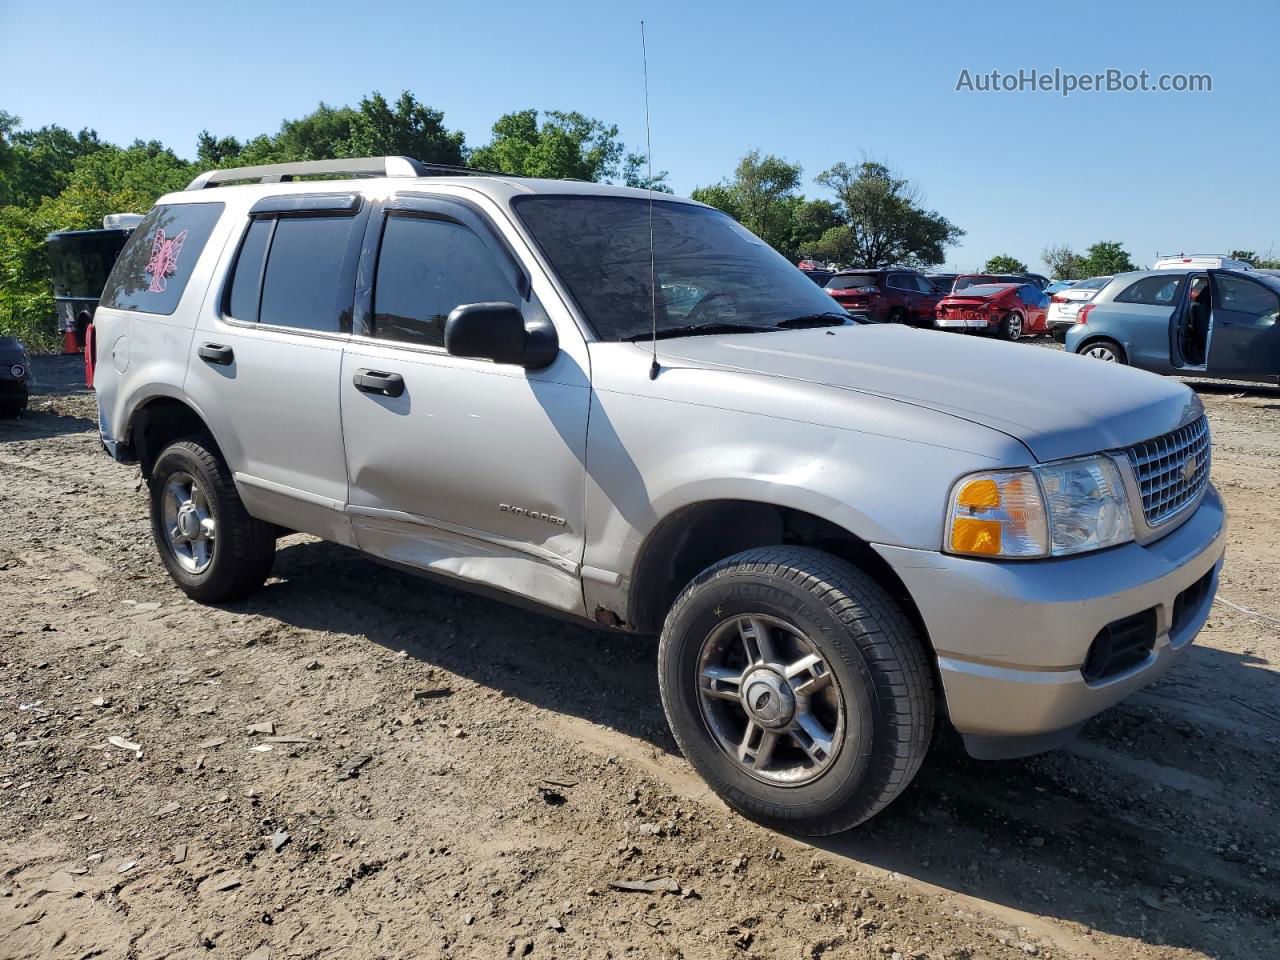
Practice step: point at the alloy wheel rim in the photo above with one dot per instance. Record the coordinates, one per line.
(770, 701)
(189, 525)
(1015, 327)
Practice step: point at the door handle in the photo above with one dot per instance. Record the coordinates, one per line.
(216, 353)
(379, 383)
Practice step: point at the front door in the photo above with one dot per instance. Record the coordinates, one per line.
(1244, 335)
(461, 466)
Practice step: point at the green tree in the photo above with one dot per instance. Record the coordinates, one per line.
(761, 196)
(1063, 262)
(562, 145)
(410, 129)
(1248, 256)
(35, 164)
(810, 220)
(1003, 263)
(1106, 257)
(885, 221)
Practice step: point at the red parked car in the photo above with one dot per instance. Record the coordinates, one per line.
(886, 295)
(1008, 310)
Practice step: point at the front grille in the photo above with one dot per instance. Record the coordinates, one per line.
(1171, 470)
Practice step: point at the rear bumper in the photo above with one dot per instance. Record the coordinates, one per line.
(1011, 638)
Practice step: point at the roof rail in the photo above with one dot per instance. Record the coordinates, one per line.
(282, 172)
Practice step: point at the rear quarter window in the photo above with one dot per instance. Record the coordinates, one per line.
(155, 265)
(1159, 291)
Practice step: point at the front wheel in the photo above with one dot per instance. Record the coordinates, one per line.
(797, 688)
(208, 542)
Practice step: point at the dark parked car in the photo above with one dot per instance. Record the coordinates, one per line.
(943, 281)
(1009, 310)
(886, 295)
(1191, 323)
(820, 277)
(15, 377)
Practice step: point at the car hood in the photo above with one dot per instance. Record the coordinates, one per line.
(1057, 404)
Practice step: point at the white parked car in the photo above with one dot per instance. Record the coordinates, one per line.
(1065, 304)
(1199, 261)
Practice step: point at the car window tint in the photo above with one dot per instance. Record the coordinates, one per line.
(1250, 301)
(1159, 291)
(428, 267)
(242, 303)
(304, 264)
(851, 281)
(155, 265)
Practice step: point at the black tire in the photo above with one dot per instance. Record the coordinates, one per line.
(896, 315)
(13, 406)
(1090, 348)
(1011, 326)
(877, 661)
(244, 548)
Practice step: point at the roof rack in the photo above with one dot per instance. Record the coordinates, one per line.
(354, 166)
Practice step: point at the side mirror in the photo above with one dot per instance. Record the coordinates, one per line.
(497, 332)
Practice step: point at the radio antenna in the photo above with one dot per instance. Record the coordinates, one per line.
(653, 266)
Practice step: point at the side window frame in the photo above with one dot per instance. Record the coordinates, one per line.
(1181, 285)
(301, 206)
(432, 207)
(1215, 285)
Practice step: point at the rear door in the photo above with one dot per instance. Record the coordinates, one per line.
(1244, 336)
(465, 467)
(267, 355)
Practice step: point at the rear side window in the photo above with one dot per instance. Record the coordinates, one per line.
(1154, 291)
(155, 265)
(289, 272)
(426, 268)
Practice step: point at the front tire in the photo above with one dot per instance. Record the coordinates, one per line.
(207, 541)
(797, 688)
(13, 406)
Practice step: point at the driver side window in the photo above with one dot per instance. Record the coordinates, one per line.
(426, 267)
(1251, 302)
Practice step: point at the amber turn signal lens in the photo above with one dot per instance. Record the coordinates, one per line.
(979, 493)
(973, 536)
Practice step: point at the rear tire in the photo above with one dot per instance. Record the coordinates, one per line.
(1102, 349)
(840, 658)
(896, 315)
(1011, 326)
(208, 542)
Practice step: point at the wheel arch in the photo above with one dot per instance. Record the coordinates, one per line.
(160, 420)
(688, 540)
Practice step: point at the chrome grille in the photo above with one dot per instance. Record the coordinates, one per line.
(1161, 469)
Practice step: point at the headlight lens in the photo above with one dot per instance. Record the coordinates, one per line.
(1087, 506)
(1050, 510)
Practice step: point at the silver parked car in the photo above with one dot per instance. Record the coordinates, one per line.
(1193, 323)
(632, 411)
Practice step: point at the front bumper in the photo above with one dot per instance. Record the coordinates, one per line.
(1011, 637)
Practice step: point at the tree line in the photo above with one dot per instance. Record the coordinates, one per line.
(53, 179)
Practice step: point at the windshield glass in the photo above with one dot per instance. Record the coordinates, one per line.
(984, 289)
(851, 281)
(710, 269)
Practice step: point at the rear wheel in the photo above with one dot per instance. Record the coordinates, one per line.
(1011, 326)
(797, 688)
(896, 315)
(208, 542)
(1108, 351)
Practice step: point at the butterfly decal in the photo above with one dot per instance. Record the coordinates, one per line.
(164, 259)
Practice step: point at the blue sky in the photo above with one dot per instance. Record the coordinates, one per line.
(814, 83)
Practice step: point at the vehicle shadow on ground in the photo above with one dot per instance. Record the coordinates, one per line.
(35, 424)
(1065, 835)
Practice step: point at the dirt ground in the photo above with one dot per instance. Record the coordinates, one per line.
(439, 775)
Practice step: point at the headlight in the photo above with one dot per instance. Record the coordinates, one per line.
(1050, 510)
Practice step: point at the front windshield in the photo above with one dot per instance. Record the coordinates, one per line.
(710, 270)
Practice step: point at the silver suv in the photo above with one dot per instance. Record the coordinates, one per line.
(632, 411)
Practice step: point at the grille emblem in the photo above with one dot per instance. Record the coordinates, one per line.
(1189, 468)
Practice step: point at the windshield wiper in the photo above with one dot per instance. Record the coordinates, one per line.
(815, 320)
(699, 329)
